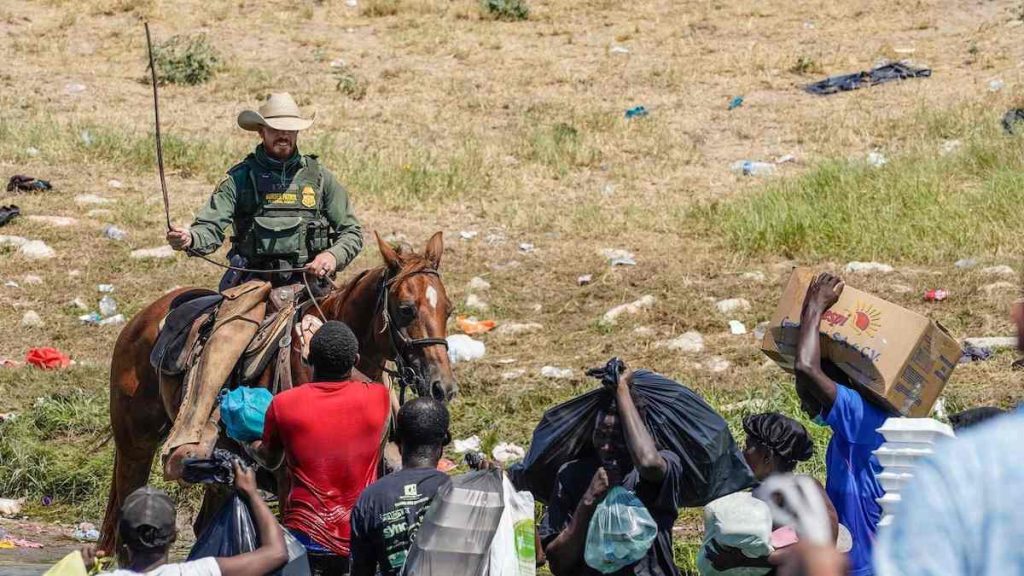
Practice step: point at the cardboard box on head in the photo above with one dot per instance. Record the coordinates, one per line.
(900, 358)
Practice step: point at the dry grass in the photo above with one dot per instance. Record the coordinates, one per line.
(514, 129)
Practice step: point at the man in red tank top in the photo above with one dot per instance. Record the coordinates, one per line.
(329, 434)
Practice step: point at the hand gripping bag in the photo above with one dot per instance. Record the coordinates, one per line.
(620, 533)
(741, 521)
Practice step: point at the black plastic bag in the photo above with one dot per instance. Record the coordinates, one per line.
(232, 532)
(217, 469)
(879, 75)
(678, 419)
(458, 527)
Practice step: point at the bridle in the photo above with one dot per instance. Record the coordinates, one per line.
(406, 375)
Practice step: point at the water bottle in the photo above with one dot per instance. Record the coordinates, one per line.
(115, 233)
(108, 307)
(752, 168)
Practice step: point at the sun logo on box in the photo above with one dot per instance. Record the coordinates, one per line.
(866, 320)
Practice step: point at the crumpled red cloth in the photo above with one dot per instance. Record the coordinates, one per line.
(47, 358)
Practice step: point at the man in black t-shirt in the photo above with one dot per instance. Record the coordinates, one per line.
(626, 456)
(389, 512)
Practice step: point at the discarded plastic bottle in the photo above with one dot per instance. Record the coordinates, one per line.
(114, 233)
(935, 295)
(108, 306)
(752, 168)
(736, 102)
(636, 112)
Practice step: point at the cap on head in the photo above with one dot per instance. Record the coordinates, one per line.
(147, 519)
(279, 112)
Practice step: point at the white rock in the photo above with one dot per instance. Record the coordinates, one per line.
(618, 50)
(36, 250)
(755, 276)
(556, 373)
(506, 452)
(80, 304)
(733, 305)
(11, 284)
(868, 267)
(114, 183)
(690, 342)
(717, 364)
(31, 151)
(474, 302)
(995, 85)
(877, 159)
(966, 263)
(612, 254)
(32, 279)
(164, 251)
(31, 319)
(643, 331)
(950, 146)
(1002, 270)
(10, 507)
(526, 248)
(92, 200)
(74, 88)
(462, 348)
(58, 221)
(479, 284)
(16, 241)
(993, 342)
(584, 279)
(468, 234)
(115, 320)
(612, 316)
(737, 327)
(1000, 287)
(471, 444)
(513, 374)
(515, 328)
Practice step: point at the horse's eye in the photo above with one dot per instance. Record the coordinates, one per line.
(406, 313)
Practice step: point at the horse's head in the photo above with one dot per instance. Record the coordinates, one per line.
(417, 311)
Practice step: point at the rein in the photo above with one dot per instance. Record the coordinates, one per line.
(406, 375)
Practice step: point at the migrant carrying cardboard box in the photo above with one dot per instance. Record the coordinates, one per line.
(900, 358)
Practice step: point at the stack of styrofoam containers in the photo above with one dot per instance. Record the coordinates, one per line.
(907, 440)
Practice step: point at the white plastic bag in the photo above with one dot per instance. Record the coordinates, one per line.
(513, 550)
(741, 521)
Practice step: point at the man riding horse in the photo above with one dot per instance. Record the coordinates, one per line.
(290, 217)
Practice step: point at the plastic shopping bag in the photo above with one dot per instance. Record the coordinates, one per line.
(513, 550)
(740, 521)
(621, 532)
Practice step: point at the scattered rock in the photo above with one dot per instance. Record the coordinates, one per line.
(79, 303)
(965, 263)
(643, 331)
(10, 507)
(690, 342)
(618, 50)
(32, 279)
(74, 88)
(868, 267)
(479, 284)
(11, 284)
(732, 305)
(158, 252)
(755, 276)
(1002, 270)
(877, 159)
(950, 146)
(462, 348)
(1000, 287)
(737, 327)
(474, 302)
(468, 234)
(31, 319)
(115, 183)
(36, 250)
(31, 151)
(527, 248)
(618, 257)
(16, 241)
(515, 329)
(584, 279)
(92, 200)
(612, 316)
(513, 374)
(99, 213)
(58, 221)
(993, 342)
(717, 364)
(556, 373)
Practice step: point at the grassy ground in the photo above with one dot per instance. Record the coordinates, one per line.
(439, 116)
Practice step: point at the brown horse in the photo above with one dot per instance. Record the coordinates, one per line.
(399, 312)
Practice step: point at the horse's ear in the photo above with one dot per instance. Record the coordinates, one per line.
(435, 248)
(388, 253)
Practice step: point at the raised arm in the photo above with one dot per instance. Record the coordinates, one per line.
(272, 553)
(811, 380)
(648, 462)
(565, 553)
(207, 231)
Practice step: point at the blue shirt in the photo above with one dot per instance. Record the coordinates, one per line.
(961, 514)
(850, 469)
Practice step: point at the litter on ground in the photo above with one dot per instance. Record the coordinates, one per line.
(864, 79)
(471, 444)
(556, 373)
(47, 358)
(472, 326)
(584, 279)
(462, 348)
(737, 328)
(506, 452)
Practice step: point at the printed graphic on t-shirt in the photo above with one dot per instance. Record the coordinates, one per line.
(401, 524)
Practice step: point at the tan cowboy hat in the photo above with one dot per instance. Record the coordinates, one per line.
(279, 112)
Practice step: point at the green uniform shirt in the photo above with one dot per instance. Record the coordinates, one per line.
(213, 219)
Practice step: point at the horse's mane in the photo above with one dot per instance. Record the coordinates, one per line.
(410, 263)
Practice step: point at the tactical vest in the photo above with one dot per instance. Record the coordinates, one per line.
(279, 223)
